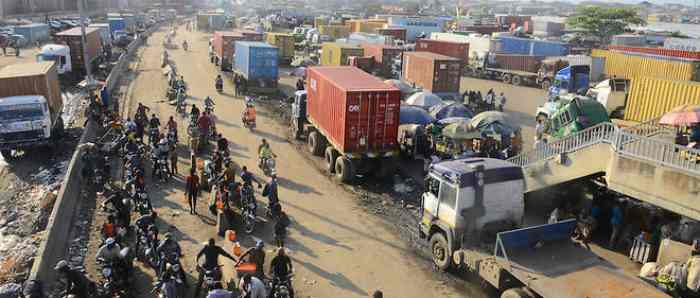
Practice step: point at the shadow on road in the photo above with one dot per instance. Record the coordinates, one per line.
(318, 236)
(336, 279)
(298, 187)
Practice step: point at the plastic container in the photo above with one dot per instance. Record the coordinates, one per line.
(257, 60)
(432, 72)
(355, 111)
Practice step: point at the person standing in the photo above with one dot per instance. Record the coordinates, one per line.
(191, 190)
(173, 160)
(616, 220)
(501, 101)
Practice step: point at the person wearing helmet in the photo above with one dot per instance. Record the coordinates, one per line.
(255, 255)
(76, 282)
(194, 112)
(123, 207)
(109, 252)
(173, 271)
(281, 268)
(217, 291)
(168, 250)
(252, 287)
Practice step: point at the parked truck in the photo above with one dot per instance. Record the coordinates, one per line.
(30, 107)
(58, 53)
(471, 215)
(337, 54)
(285, 43)
(385, 57)
(351, 118)
(223, 45)
(257, 62)
(436, 73)
(519, 69)
(93, 47)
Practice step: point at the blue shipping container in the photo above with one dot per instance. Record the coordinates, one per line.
(525, 46)
(116, 24)
(417, 25)
(33, 32)
(256, 60)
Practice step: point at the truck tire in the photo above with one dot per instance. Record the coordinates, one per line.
(442, 254)
(516, 80)
(506, 78)
(344, 169)
(315, 143)
(516, 293)
(546, 84)
(331, 155)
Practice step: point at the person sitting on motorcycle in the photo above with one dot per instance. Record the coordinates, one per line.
(218, 163)
(255, 255)
(217, 291)
(280, 228)
(248, 177)
(130, 125)
(219, 82)
(211, 253)
(141, 111)
(109, 228)
(281, 268)
(208, 103)
(144, 222)
(204, 123)
(109, 252)
(173, 272)
(249, 113)
(76, 282)
(222, 144)
(168, 250)
(154, 122)
(270, 191)
(252, 287)
(121, 205)
(172, 126)
(265, 153)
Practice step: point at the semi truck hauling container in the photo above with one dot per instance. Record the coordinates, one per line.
(224, 47)
(30, 107)
(520, 69)
(436, 73)
(257, 62)
(73, 39)
(349, 117)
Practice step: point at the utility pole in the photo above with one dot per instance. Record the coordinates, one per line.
(83, 40)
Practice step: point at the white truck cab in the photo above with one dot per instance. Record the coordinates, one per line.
(25, 121)
(57, 53)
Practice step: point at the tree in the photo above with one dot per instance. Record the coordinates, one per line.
(604, 22)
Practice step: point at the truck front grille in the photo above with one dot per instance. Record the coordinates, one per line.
(20, 136)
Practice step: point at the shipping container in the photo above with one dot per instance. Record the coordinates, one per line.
(202, 22)
(256, 60)
(416, 25)
(358, 38)
(396, 33)
(479, 45)
(650, 98)
(105, 33)
(334, 31)
(33, 33)
(432, 72)
(507, 21)
(365, 63)
(625, 66)
(336, 54)
(525, 63)
(683, 44)
(547, 28)
(458, 50)
(217, 22)
(629, 40)
(73, 39)
(384, 56)
(38, 78)
(366, 26)
(116, 24)
(661, 52)
(482, 29)
(285, 45)
(250, 35)
(224, 47)
(526, 46)
(355, 111)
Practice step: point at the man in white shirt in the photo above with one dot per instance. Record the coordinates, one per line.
(252, 287)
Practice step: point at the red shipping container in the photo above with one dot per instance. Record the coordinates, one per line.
(397, 33)
(518, 62)
(663, 52)
(459, 50)
(355, 111)
(223, 43)
(365, 63)
(432, 72)
(250, 35)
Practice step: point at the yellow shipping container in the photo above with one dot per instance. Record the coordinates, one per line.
(366, 26)
(650, 98)
(202, 21)
(284, 43)
(336, 54)
(335, 31)
(626, 66)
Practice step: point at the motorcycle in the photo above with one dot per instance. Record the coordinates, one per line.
(208, 175)
(172, 137)
(153, 134)
(160, 166)
(143, 203)
(208, 277)
(173, 287)
(115, 275)
(146, 249)
(282, 287)
(249, 209)
(248, 122)
(267, 165)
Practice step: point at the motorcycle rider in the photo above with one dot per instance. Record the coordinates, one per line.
(265, 153)
(208, 104)
(161, 152)
(281, 268)
(173, 271)
(76, 282)
(194, 112)
(219, 83)
(130, 125)
(249, 112)
(280, 228)
(172, 126)
(109, 228)
(211, 253)
(218, 291)
(141, 111)
(300, 84)
(222, 144)
(122, 206)
(270, 191)
(168, 250)
(255, 255)
(154, 125)
(109, 252)
(203, 123)
(248, 177)
(252, 287)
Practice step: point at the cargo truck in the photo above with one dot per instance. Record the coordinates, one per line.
(30, 107)
(384, 58)
(458, 50)
(471, 215)
(73, 39)
(436, 73)
(257, 63)
(351, 118)
(224, 46)
(285, 45)
(519, 69)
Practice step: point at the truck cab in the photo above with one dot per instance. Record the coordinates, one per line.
(57, 53)
(25, 121)
(298, 112)
(467, 201)
(575, 113)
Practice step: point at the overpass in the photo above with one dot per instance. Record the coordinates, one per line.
(638, 161)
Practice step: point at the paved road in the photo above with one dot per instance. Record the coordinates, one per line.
(337, 249)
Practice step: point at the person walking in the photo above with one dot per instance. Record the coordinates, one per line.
(191, 190)
(173, 160)
(237, 84)
(500, 101)
(616, 220)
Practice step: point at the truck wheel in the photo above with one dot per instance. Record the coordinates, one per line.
(516, 80)
(344, 170)
(546, 84)
(506, 78)
(315, 144)
(442, 255)
(516, 293)
(6, 154)
(330, 156)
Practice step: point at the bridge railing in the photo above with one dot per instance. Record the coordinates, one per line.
(667, 154)
(601, 133)
(650, 128)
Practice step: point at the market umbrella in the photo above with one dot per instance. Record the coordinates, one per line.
(450, 120)
(494, 118)
(401, 85)
(447, 110)
(682, 115)
(424, 99)
(414, 115)
(461, 131)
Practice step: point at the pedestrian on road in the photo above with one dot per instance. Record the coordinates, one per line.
(173, 160)
(237, 84)
(616, 220)
(191, 190)
(300, 84)
(500, 101)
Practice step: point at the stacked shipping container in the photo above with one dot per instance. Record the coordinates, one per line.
(650, 98)
(383, 56)
(396, 33)
(626, 66)
(336, 54)
(432, 72)
(458, 50)
(334, 31)
(526, 46)
(518, 62)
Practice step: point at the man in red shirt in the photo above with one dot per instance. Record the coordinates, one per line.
(191, 190)
(204, 123)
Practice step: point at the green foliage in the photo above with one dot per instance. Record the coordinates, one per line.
(604, 22)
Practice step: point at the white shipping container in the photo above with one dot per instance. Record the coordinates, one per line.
(547, 28)
(683, 44)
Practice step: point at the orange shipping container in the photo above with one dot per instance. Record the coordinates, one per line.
(432, 72)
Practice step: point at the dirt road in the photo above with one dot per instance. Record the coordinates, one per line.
(337, 249)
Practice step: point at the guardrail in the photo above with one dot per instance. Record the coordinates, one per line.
(667, 154)
(650, 128)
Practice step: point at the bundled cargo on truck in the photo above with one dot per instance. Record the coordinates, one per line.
(458, 50)
(257, 63)
(436, 73)
(351, 118)
(336, 54)
(73, 39)
(626, 66)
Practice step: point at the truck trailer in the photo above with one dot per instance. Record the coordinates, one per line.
(351, 118)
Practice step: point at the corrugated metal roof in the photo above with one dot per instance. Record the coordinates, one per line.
(76, 31)
(351, 78)
(25, 69)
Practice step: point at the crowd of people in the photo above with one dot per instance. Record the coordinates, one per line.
(489, 102)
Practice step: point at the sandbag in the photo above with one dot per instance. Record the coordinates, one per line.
(649, 270)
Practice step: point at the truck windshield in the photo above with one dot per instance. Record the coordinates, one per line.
(30, 111)
(44, 57)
